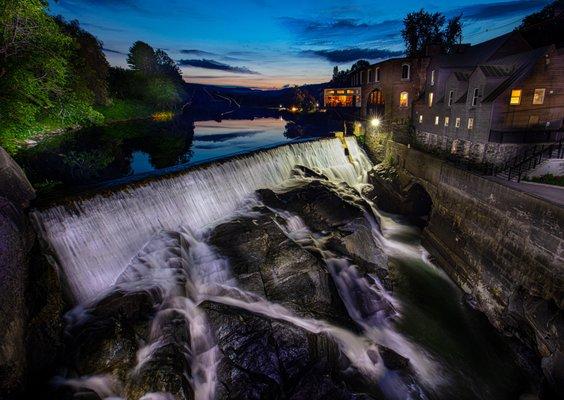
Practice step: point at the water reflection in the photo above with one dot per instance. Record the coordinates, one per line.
(127, 150)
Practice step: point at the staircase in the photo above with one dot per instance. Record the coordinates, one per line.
(514, 169)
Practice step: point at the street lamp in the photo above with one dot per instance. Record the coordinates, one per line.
(375, 122)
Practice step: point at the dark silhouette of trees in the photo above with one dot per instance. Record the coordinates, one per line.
(422, 29)
(88, 65)
(545, 26)
(142, 58)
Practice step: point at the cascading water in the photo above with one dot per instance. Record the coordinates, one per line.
(97, 237)
(97, 246)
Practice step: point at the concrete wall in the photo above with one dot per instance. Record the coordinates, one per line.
(502, 246)
(553, 166)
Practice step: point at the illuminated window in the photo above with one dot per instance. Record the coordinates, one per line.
(404, 99)
(340, 91)
(377, 74)
(457, 122)
(447, 119)
(450, 97)
(470, 123)
(421, 118)
(538, 97)
(432, 77)
(436, 120)
(430, 99)
(515, 97)
(475, 97)
(405, 71)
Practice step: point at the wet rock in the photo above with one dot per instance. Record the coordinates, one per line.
(393, 360)
(266, 359)
(14, 185)
(266, 262)
(318, 203)
(305, 172)
(16, 243)
(167, 366)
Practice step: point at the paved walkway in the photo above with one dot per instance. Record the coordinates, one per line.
(554, 194)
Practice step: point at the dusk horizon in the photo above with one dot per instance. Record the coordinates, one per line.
(263, 44)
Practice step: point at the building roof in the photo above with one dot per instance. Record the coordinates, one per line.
(496, 71)
(521, 66)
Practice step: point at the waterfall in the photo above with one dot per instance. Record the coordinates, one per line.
(93, 239)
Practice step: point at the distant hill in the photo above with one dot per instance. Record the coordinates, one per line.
(220, 98)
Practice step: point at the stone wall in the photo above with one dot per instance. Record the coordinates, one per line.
(502, 246)
(490, 153)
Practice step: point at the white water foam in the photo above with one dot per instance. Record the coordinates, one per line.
(95, 238)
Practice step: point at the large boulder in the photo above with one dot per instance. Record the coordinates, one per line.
(268, 263)
(16, 243)
(266, 359)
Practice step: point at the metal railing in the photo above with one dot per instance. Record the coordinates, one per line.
(514, 168)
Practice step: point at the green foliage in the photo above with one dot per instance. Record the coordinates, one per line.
(340, 77)
(549, 179)
(422, 29)
(126, 109)
(304, 100)
(142, 58)
(88, 64)
(33, 64)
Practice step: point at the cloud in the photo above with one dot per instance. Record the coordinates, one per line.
(196, 52)
(341, 31)
(353, 54)
(113, 51)
(500, 9)
(216, 65)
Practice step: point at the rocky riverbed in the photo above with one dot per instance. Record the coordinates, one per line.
(304, 293)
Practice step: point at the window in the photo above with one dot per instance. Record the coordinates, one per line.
(420, 118)
(450, 97)
(405, 71)
(377, 74)
(538, 97)
(470, 123)
(475, 97)
(515, 97)
(404, 99)
(447, 119)
(361, 77)
(533, 120)
(370, 76)
(436, 120)
(457, 122)
(430, 99)
(432, 77)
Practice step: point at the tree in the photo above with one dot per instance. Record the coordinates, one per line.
(33, 64)
(304, 100)
(142, 58)
(422, 29)
(87, 62)
(360, 64)
(545, 26)
(167, 67)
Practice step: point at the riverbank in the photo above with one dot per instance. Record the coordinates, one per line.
(116, 111)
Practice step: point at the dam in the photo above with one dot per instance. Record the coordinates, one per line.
(232, 279)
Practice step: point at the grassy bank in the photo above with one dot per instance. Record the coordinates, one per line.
(117, 110)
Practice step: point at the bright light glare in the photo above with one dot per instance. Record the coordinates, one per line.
(375, 122)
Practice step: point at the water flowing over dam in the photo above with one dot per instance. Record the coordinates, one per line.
(268, 276)
(96, 238)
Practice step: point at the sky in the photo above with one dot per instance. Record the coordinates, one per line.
(273, 43)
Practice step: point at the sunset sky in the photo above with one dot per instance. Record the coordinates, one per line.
(269, 43)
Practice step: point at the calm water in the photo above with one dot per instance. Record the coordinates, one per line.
(132, 150)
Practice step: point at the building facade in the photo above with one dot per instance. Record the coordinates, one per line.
(490, 101)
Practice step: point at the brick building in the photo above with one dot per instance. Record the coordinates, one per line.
(489, 101)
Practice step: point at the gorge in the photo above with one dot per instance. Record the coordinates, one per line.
(270, 275)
